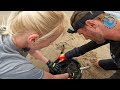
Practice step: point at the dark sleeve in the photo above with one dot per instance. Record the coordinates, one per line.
(83, 49)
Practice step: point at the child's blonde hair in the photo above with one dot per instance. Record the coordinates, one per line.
(43, 22)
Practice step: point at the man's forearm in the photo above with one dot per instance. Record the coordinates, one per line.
(83, 49)
(38, 55)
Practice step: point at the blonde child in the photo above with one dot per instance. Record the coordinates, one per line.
(28, 32)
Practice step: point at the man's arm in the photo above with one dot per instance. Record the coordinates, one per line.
(83, 49)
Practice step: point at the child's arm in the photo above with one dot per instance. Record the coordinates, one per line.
(51, 65)
(38, 55)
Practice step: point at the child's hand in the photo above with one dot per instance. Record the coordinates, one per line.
(54, 67)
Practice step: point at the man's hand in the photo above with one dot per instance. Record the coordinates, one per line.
(54, 67)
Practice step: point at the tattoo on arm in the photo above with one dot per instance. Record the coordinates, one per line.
(110, 22)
